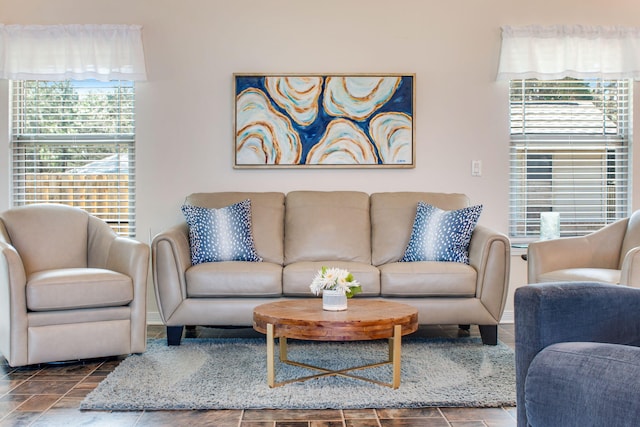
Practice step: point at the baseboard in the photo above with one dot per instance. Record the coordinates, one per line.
(507, 317)
(153, 317)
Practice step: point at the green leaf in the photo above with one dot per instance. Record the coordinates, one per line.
(354, 291)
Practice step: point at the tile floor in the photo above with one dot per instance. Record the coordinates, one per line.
(50, 395)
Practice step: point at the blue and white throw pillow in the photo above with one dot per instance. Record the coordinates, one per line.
(220, 234)
(440, 235)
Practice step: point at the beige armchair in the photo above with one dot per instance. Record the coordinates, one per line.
(70, 288)
(610, 255)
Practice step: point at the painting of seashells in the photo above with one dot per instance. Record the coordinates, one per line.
(391, 133)
(358, 97)
(324, 120)
(343, 144)
(264, 135)
(298, 96)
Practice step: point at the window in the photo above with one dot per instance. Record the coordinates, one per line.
(570, 145)
(72, 142)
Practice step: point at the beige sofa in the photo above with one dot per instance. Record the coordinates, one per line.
(298, 233)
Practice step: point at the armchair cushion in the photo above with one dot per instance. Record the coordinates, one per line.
(48, 236)
(606, 275)
(221, 234)
(440, 235)
(73, 288)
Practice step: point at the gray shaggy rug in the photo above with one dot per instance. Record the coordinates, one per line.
(230, 373)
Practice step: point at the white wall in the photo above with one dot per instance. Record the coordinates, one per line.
(184, 110)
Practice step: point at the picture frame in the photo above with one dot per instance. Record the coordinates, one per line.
(324, 120)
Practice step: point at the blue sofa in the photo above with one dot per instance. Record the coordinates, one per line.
(577, 354)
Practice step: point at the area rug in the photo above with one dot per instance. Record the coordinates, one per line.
(230, 373)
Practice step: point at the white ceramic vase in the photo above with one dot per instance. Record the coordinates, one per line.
(334, 300)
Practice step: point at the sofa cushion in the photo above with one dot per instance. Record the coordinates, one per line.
(221, 234)
(234, 279)
(297, 277)
(392, 217)
(427, 279)
(77, 288)
(333, 225)
(440, 235)
(267, 218)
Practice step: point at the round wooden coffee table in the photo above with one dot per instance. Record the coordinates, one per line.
(304, 319)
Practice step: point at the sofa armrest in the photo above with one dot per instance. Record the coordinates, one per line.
(550, 313)
(489, 254)
(171, 257)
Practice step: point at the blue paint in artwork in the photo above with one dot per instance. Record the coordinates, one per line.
(401, 101)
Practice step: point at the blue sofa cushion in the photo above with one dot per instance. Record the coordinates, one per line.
(220, 234)
(440, 235)
(584, 384)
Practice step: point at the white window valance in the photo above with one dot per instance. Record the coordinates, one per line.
(555, 52)
(77, 52)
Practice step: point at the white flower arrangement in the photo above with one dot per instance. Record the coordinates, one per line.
(335, 279)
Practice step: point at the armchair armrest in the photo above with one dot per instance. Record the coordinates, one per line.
(630, 275)
(131, 257)
(489, 254)
(600, 249)
(550, 313)
(171, 257)
(13, 303)
(122, 254)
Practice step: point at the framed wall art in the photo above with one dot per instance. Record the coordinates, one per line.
(324, 120)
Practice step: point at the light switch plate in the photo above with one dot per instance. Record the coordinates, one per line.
(476, 167)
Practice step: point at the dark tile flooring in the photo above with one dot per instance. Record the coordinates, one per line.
(50, 395)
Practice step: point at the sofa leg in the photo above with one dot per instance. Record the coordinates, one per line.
(464, 327)
(489, 334)
(174, 335)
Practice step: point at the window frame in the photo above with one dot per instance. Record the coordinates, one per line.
(85, 143)
(570, 148)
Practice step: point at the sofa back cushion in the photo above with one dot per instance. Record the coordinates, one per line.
(392, 217)
(48, 236)
(327, 226)
(267, 218)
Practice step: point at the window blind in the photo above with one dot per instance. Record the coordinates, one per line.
(570, 148)
(72, 142)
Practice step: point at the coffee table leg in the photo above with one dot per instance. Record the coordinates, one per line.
(271, 369)
(395, 357)
(283, 349)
